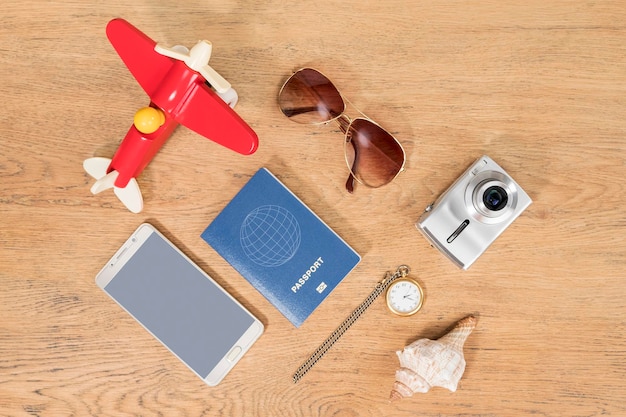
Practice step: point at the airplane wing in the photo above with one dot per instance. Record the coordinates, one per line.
(208, 115)
(137, 51)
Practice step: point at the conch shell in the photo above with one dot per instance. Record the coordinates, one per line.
(429, 363)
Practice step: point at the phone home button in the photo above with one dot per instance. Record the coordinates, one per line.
(234, 353)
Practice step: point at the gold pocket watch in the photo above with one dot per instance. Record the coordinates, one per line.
(404, 296)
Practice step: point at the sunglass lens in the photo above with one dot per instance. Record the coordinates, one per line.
(309, 97)
(373, 155)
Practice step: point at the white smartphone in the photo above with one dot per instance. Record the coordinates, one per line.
(179, 304)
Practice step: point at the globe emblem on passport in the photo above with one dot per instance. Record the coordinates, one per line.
(270, 235)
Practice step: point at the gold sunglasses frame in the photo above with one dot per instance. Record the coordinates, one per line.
(345, 123)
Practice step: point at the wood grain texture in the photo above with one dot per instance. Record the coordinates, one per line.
(540, 86)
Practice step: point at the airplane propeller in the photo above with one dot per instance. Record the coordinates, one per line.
(198, 60)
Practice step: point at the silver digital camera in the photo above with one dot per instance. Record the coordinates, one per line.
(473, 212)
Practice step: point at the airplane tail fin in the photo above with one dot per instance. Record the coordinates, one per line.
(130, 195)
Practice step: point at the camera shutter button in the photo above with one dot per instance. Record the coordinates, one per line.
(479, 167)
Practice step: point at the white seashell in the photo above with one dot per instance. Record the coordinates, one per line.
(429, 363)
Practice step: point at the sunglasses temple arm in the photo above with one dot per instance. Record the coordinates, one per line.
(344, 125)
(350, 183)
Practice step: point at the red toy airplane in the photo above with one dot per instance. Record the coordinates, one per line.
(174, 79)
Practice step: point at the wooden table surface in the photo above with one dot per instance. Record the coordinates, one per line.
(540, 86)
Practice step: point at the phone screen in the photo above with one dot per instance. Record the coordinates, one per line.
(172, 298)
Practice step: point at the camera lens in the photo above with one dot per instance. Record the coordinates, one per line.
(495, 198)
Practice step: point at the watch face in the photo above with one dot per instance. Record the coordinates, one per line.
(404, 297)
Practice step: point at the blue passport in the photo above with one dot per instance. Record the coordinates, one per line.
(280, 246)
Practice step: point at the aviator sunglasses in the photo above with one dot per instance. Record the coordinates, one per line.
(372, 154)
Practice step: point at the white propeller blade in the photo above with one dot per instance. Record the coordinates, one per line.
(230, 97)
(198, 60)
(216, 80)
